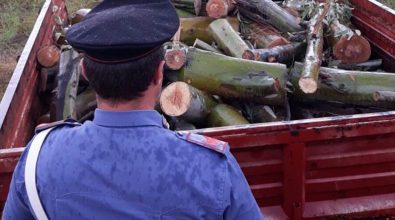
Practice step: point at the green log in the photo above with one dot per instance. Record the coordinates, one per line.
(236, 78)
(227, 38)
(369, 65)
(205, 46)
(315, 45)
(197, 27)
(262, 113)
(225, 115)
(269, 12)
(68, 79)
(193, 6)
(349, 87)
(182, 100)
(184, 14)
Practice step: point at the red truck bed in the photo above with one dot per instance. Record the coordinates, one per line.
(305, 169)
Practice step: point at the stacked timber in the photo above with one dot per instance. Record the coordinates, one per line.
(236, 62)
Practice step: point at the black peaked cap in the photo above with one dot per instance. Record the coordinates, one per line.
(124, 30)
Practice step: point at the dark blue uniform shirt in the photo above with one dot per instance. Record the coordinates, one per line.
(127, 165)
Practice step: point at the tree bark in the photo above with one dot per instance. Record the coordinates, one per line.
(225, 115)
(205, 46)
(348, 50)
(184, 14)
(370, 65)
(247, 80)
(315, 44)
(269, 12)
(349, 87)
(262, 113)
(219, 8)
(262, 36)
(227, 38)
(68, 79)
(280, 54)
(193, 28)
(184, 101)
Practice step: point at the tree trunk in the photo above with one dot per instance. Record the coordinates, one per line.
(236, 78)
(175, 56)
(219, 8)
(193, 28)
(48, 78)
(178, 124)
(293, 4)
(349, 87)
(227, 38)
(67, 85)
(184, 101)
(48, 56)
(205, 46)
(370, 65)
(315, 45)
(225, 115)
(348, 50)
(269, 12)
(262, 36)
(280, 54)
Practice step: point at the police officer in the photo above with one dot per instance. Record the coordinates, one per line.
(126, 164)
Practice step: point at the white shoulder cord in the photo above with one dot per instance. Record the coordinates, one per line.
(30, 174)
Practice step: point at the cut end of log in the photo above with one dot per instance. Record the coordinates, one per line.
(175, 59)
(249, 55)
(308, 85)
(355, 50)
(217, 8)
(48, 56)
(175, 99)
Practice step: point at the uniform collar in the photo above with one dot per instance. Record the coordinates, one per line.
(128, 118)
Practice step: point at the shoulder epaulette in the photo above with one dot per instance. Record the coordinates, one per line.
(69, 122)
(204, 141)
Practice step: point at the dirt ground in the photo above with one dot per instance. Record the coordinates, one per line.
(17, 18)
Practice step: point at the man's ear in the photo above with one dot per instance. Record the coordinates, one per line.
(158, 77)
(83, 70)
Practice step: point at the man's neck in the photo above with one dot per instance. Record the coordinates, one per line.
(124, 106)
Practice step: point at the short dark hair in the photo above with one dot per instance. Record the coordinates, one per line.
(123, 81)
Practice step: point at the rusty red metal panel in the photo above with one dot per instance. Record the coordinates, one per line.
(294, 177)
(20, 106)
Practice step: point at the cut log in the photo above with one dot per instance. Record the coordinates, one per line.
(68, 79)
(370, 65)
(236, 78)
(205, 46)
(182, 100)
(227, 38)
(178, 124)
(48, 78)
(193, 28)
(388, 96)
(315, 44)
(293, 4)
(269, 12)
(225, 115)
(219, 8)
(48, 56)
(349, 87)
(348, 50)
(262, 36)
(280, 54)
(175, 56)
